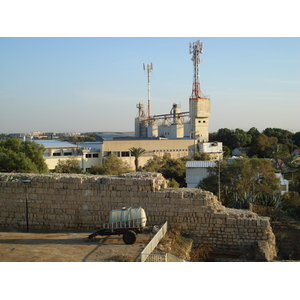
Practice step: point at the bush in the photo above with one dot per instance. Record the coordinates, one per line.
(173, 183)
(112, 166)
(70, 165)
(169, 167)
(201, 253)
(272, 200)
(291, 200)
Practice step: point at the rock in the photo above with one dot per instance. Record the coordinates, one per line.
(263, 252)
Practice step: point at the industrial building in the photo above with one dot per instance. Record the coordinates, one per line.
(186, 128)
(177, 124)
(180, 134)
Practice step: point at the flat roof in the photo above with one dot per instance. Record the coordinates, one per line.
(200, 164)
(55, 144)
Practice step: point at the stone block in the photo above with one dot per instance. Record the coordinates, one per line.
(230, 221)
(264, 222)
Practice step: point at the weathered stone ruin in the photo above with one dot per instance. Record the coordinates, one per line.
(61, 202)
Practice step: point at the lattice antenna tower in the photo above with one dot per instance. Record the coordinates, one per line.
(149, 68)
(196, 48)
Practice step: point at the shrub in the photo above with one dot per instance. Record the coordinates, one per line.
(173, 183)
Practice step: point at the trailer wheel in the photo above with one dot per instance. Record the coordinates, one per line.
(129, 237)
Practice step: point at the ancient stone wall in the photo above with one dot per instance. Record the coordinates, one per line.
(80, 202)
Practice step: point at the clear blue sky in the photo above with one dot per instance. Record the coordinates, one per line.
(93, 84)
(77, 66)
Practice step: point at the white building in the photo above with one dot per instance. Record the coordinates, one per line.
(284, 184)
(196, 171)
(86, 153)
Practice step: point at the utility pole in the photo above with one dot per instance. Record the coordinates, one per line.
(219, 180)
(26, 203)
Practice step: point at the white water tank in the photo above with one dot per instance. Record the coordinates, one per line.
(128, 214)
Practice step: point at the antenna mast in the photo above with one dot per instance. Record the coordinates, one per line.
(196, 49)
(149, 69)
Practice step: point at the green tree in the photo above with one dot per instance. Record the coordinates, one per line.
(226, 151)
(201, 156)
(242, 176)
(137, 152)
(279, 152)
(112, 166)
(260, 146)
(282, 135)
(70, 165)
(169, 167)
(224, 136)
(296, 138)
(233, 138)
(24, 157)
(290, 161)
(240, 139)
(253, 132)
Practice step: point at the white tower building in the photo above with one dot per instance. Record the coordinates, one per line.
(199, 105)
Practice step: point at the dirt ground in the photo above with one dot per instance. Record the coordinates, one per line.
(68, 247)
(287, 241)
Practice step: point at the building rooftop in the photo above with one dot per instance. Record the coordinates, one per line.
(200, 164)
(111, 135)
(55, 144)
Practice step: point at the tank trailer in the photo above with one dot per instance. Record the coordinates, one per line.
(128, 221)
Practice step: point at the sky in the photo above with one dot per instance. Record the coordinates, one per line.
(60, 82)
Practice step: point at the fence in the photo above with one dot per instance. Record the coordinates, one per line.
(167, 257)
(134, 223)
(153, 243)
(156, 258)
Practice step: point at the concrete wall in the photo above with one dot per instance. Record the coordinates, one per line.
(176, 148)
(80, 202)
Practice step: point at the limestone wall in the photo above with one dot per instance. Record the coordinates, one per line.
(80, 202)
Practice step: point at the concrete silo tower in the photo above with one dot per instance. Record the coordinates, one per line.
(199, 105)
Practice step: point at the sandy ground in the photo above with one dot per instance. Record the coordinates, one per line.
(68, 247)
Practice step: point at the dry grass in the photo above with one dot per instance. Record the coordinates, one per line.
(179, 245)
(201, 253)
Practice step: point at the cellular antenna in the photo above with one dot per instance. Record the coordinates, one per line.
(196, 48)
(149, 69)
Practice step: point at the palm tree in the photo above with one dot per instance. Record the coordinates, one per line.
(136, 152)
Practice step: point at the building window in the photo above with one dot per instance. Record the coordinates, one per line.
(67, 153)
(125, 154)
(56, 154)
(88, 155)
(95, 155)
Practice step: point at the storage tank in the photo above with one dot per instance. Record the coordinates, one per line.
(128, 214)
